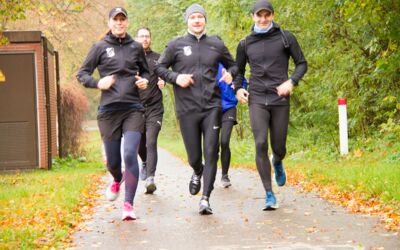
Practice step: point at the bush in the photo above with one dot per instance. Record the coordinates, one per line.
(74, 105)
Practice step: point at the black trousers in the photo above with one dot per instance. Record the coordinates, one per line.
(228, 121)
(148, 143)
(200, 133)
(275, 120)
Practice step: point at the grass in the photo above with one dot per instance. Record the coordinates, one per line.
(40, 209)
(374, 174)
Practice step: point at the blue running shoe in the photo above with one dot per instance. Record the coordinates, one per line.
(280, 174)
(270, 202)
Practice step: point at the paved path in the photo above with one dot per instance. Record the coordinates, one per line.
(169, 219)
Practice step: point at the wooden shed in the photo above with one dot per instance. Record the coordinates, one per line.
(29, 101)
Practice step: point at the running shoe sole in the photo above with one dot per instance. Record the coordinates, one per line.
(226, 184)
(205, 211)
(151, 188)
(271, 208)
(128, 218)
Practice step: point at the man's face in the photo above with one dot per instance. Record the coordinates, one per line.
(143, 37)
(263, 18)
(196, 23)
(118, 25)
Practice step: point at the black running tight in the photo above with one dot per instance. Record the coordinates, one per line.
(198, 127)
(273, 119)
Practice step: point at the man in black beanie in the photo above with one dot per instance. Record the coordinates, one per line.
(193, 60)
(267, 50)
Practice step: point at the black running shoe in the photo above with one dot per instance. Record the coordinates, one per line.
(205, 208)
(195, 184)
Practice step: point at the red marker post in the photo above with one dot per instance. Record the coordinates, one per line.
(344, 143)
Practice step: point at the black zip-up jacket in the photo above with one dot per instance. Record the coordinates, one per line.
(200, 57)
(269, 61)
(152, 94)
(121, 57)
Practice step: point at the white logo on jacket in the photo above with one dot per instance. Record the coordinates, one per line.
(187, 50)
(110, 52)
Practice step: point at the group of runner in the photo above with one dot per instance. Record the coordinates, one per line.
(207, 84)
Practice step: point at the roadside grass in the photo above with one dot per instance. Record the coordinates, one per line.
(41, 209)
(372, 167)
(171, 140)
(367, 180)
(373, 179)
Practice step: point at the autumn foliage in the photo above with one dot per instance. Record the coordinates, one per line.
(73, 107)
(353, 201)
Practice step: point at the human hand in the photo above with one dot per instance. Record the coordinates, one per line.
(184, 80)
(226, 76)
(160, 83)
(106, 82)
(285, 88)
(141, 83)
(242, 95)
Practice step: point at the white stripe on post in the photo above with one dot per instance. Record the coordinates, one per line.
(344, 147)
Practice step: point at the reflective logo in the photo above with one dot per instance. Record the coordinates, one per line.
(159, 123)
(110, 52)
(187, 50)
(231, 117)
(216, 127)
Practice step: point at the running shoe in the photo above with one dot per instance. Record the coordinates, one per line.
(225, 181)
(270, 202)
(280, 174)
(195, 184)
(127, 212)
(204, 206)
(112, 191)
(150, 185)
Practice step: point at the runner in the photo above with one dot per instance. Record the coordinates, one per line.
(120, 112)
(229, 111)
(154, 109)
(267, 50)
(194, 59)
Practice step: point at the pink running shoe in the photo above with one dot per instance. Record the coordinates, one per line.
(127, 213)
(112, 191)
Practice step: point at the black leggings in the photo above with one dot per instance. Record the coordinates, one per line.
(276, 120)
(226, 131)
(196, 127)
(148, 147)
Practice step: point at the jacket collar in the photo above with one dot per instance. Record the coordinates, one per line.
(117, 40)
(197, 38)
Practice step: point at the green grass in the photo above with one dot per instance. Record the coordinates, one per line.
(373, 174)
(39, 208)
(172, 141)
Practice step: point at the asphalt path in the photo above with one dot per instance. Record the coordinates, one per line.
(169, 218)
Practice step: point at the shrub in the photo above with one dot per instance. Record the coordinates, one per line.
(74, 105)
